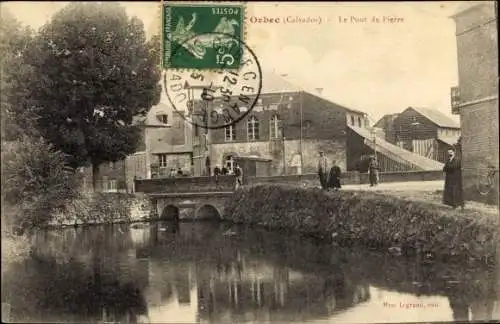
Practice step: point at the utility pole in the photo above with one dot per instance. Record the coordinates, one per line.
(301, 117)
(284, 152)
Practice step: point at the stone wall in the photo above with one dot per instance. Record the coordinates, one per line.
(99, 208)
(185, 184)
(477, 51)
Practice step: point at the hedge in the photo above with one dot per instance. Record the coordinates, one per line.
(369, 218)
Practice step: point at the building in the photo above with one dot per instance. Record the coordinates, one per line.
(424, 131)
(118, 176)
(168, 142)
(386, 125)
(165, 144)
(287, 127)
(475, 99)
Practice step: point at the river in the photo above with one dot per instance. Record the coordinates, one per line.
(221, 273)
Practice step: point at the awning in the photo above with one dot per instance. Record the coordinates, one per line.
(452, 140)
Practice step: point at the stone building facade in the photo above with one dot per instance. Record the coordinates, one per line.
(476, 97)
(167, 148)
(288, 127)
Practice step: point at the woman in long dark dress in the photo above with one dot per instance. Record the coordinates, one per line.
(334, 176)
(453, 193)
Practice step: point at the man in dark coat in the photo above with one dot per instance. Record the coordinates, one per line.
(323, 170)
(373, 169)
(334, 177)
(217, 173)
(453, 193)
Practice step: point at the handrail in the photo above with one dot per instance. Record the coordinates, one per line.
(391, 154)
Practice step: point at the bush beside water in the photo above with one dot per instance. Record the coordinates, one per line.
(377, 220)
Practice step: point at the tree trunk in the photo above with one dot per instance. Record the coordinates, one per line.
(95, 176)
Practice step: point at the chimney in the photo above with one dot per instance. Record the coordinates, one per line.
(319, 90)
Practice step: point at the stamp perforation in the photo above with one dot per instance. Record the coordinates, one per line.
(243, 30)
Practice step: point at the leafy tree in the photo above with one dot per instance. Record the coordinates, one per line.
(36, 181)
(13, 42)
(93, 72)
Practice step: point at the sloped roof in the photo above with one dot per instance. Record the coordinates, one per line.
(273, 83)
(450, 140)
(436, 117)
(336, 104)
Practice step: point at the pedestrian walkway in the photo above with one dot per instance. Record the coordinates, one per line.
(399, 186)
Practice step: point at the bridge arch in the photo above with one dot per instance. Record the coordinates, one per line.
(170, 212)
(208, 212)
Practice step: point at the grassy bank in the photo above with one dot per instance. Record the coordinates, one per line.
(386, 221)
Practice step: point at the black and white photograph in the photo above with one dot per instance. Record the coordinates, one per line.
(250, 162)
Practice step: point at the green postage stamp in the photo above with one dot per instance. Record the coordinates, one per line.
(202, 35)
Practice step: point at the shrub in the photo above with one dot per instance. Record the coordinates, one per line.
(369, 218)
(36, 182)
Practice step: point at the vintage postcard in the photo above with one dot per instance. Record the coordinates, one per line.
(250, 162)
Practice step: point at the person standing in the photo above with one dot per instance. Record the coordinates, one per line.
(217, 172)
(373, 169)
(453, 192)
(208, 167)
(323, 170)
(334, 177)
(224, 170)
(239, 176)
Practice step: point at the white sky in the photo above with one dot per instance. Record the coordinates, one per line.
(377, 68)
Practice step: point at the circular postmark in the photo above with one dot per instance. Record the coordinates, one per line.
(214, 98)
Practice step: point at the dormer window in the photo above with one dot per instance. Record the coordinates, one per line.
(162, 118)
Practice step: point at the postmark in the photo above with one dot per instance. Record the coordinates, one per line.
(197, 28)
(215, 98)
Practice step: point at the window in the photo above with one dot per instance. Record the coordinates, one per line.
(113, 185)
(253, 128)
(104, 183)
(230, 133)
(359, 121)
(162, 160)
(163, 118)
(229, 162)
(196, 133)
(275, 127)
(352, 120)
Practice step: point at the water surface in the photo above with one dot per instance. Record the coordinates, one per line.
(217, 273)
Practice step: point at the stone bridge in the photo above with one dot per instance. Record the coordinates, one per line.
(188, 198)
(192, 206)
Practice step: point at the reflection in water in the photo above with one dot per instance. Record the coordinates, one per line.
(166, 272)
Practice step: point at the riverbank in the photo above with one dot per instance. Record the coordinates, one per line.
(87, 209)
(375, 219)
(103, 208)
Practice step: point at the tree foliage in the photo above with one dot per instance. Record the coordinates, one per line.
(36, 181)
(13, 43)
(93, 72)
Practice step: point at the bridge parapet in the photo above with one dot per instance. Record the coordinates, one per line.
(185, 184)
